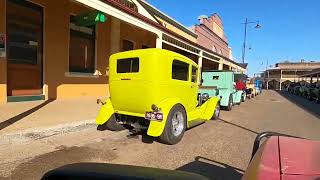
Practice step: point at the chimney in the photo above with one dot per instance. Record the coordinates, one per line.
(201, 18)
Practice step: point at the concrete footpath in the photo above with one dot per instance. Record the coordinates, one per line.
(25, 121)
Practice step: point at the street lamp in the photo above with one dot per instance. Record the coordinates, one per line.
(258, 26)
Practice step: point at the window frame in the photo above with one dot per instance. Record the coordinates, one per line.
(122, 43)
(131, 59)
(197, 72)
(77, 73)
(188, 72)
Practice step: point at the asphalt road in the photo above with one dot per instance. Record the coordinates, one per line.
(218, 149)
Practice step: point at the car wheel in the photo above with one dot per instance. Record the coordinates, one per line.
(175, 126)
(216, 112)
(242, 98)
(230, 103)
(111, 125)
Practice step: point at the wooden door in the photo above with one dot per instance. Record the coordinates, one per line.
(24, 30)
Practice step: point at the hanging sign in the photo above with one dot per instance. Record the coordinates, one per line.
(90, 18)
(2, 45)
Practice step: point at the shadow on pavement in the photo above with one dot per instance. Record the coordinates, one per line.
(310, 106)
(20, 116)
(212, 169)
(244, 128)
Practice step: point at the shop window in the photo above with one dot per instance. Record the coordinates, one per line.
(128, 65)
(194, 74)
(24, 27)
(127, 45)
(180, 70)
(82, 49)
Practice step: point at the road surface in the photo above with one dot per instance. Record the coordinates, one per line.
(218, 149)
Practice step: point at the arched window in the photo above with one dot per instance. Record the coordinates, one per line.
(220, 52)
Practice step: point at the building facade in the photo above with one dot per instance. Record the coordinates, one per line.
(49, 49)
(285, 73)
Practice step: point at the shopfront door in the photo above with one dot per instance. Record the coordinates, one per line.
(24, 42)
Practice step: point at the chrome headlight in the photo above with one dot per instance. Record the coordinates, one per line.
(205, 96)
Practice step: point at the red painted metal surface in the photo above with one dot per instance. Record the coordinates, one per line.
(286, 158)
(265, 164)
(300, 177)
(299, 156)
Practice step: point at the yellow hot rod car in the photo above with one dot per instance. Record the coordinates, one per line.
(155, 90)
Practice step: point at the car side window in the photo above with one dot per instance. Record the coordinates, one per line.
(128, 65)
(180, 70)
(194, 74)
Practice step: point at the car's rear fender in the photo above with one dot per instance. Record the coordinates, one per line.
(105, 112)
(224, 94)
(156, 128)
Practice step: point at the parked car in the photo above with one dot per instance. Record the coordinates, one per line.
(220, 84)
(155, 90)
(274, 156)
(303, 90)
(292, 86)
(258, 86)
(251, 90)
(314, 93)
(296, 89)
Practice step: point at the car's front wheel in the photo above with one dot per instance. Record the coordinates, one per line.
(175, 126)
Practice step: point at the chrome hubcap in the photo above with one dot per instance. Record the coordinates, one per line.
(177, 123)
(217, 111)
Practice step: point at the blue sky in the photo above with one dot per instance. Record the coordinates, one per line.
(290, 28)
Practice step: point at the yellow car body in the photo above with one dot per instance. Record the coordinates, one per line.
(140, 79)
(254, 89)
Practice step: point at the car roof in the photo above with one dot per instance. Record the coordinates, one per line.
(158, 51)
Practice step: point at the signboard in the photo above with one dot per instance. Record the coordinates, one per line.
(90, 18)
(2, 45)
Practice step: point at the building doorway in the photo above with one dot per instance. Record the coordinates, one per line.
(25, 47)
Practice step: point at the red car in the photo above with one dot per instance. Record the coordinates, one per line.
(282, 157)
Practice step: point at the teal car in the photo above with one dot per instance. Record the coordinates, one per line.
(221, 84)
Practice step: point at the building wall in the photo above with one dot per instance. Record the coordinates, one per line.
(138, 36)
(176, 30)
(210, 35)
(3, 61)
(302, 65)
(59, 84)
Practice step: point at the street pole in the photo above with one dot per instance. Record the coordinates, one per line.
(244, 40)
(245, 37)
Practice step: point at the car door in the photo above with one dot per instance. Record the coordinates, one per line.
(194, 73)
(181, 84)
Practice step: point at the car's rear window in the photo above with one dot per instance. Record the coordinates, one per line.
(128, 65)
(215, 77)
